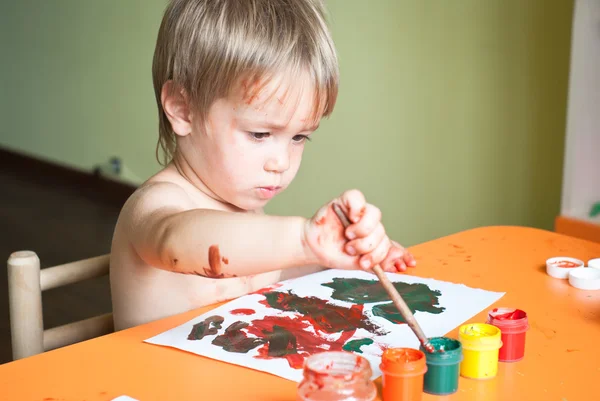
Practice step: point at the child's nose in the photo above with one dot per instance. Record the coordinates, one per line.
(278, 162)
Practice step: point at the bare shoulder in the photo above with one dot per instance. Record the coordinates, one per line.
(141, 221)
(156, 197)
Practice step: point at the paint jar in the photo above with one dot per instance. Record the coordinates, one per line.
(513, 326)
(403, 370)
(481, 343)
(336, 376)
(443, 366)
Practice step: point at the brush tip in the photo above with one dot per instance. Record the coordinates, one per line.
(429, 348)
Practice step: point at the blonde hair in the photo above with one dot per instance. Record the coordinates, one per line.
(205, 47)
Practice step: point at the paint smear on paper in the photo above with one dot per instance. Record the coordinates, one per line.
(354, 345)
(389, 311)
(319, 325)
(246, 312)
(418, 296)
(280, 337)
(235, 340)
(326, 317)
(209, 326)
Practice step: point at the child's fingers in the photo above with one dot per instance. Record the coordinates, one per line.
(367, 223)
(366, 244)
(393, 261)
(371, 259)
(354, 201)
(400, 265)
(407, 258)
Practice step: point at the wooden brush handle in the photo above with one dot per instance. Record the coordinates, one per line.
(400, 304)
(391, 290)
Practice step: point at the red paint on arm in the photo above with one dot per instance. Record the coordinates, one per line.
(332, 229)
(214, 262)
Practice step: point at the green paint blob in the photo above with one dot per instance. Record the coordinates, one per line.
(418, 296)
(390, 312)
(209, 326)
(235, 340)
(281, 342)
(354, 345)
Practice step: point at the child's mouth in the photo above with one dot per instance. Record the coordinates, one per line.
(268, 192)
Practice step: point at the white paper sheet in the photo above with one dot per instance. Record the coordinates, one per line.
(438, 306)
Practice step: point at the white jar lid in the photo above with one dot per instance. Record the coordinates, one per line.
(585, 278)
(595, 263)
(554, 270)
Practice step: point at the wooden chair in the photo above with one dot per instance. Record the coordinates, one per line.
(26, 281)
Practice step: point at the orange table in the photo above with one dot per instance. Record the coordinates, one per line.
(562, 358)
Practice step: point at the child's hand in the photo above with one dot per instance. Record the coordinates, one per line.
(363, 244)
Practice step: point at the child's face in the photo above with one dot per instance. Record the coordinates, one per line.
(253, 143)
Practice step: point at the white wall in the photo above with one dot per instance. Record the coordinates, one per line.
(581, 181)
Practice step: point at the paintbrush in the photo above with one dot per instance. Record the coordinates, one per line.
(392, 292)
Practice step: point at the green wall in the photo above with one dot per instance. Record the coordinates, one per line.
(451, 115)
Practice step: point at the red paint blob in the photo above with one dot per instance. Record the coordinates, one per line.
(566, 264)
(243, 312)
(513, 315)
(300, 344)
(268, 289)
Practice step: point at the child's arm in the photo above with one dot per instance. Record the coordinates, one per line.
(178, 237)
(168, 232)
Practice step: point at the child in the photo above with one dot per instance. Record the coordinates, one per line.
(241, 85)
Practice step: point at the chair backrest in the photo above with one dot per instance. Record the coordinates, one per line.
(26, 281)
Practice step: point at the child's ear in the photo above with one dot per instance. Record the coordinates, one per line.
(175, 104)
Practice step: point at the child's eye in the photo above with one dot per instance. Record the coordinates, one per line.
(259, 135)
(301, 138)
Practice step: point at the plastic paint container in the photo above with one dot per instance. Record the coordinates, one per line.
(513, 325)
(443, 366)
(403, 370)
(559, 266)
(481, 343)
